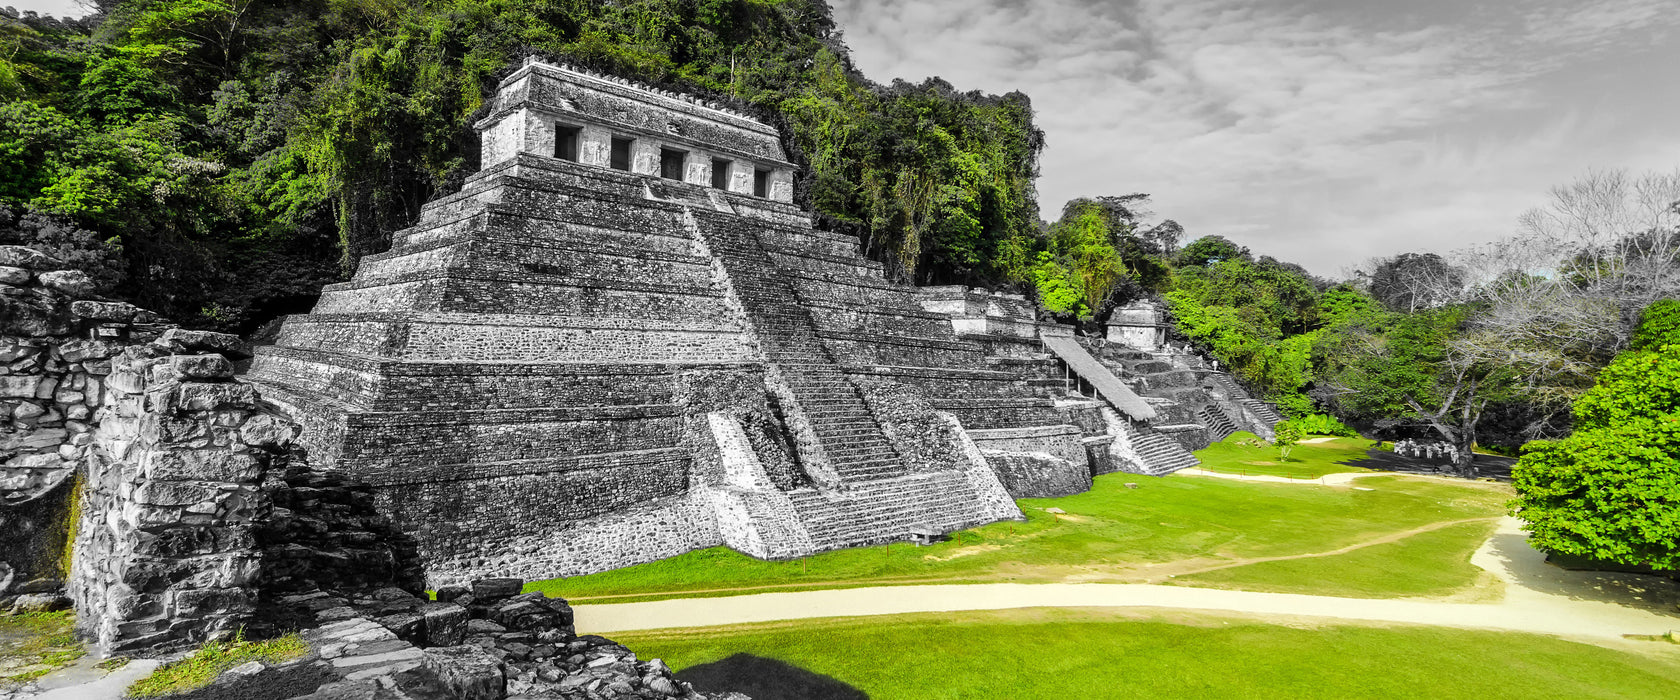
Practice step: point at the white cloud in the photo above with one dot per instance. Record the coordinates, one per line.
(1305, 134)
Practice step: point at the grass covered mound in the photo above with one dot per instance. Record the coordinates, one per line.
(1165, 527)
(202, 667)
(35, 644)
(1246, 453)
(1081, 653)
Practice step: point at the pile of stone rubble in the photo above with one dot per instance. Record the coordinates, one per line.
(483, 642)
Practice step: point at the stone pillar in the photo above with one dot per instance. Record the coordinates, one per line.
(698, 171)
(539, 133)
(644, 156)
(595, 146)
(166, 553)
(781, 185)
(503, 140)
(741, 177)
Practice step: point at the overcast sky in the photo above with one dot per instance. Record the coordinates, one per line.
(1318, 131)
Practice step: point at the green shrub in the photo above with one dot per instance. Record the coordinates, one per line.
(1321, 424)
(1659, 325)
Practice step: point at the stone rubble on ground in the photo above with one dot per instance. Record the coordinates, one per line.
(486, 641)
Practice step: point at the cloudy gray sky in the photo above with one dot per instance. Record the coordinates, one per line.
(1317, 131)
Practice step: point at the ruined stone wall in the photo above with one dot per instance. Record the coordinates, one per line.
(56, 339)
(166, 551)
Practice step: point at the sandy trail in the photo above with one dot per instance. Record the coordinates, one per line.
(1539, 598)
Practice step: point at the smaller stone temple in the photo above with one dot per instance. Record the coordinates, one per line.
(1141, 324)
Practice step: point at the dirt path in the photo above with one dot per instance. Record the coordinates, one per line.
(1539, 598)
(1385, 539)
(1150, 572)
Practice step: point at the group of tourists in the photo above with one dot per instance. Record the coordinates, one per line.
(1433, 450)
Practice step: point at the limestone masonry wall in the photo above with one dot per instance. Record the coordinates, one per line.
(56, 341)
(166, 551)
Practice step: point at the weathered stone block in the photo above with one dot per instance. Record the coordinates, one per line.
(84, 350)
(445, 624)
(490, 590)
(196, 396)
(20, 387)
(186, 341)
(467, 672)
(206, 465)
(201, 366)
(175, 493)
(117, 311)
(201, 602)
(14, 275)
(72, 282)
(19, 256)
(263, 430)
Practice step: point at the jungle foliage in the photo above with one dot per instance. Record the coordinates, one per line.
(225, 158)
(1611, 490)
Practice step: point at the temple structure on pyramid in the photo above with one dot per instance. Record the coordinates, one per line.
(621, 341)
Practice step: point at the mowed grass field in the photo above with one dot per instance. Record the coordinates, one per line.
(1166, 530)
(1246, 453)
(1082, 653)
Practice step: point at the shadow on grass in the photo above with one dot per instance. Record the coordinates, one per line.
(1487, 466)
(1652, 592)
(767, 679)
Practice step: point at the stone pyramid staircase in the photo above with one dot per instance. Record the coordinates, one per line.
(1161, 455)
(884, 510)
(1262, 410)
(851, 441)
(1217, 422)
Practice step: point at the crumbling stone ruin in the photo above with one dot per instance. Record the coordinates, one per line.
(620, 341)
(57, 339)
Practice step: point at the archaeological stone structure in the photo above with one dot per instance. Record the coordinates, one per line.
(621, 340)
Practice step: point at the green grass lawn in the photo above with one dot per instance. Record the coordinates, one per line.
(1245, 453)
(1071, 653)
(210, 660)
(1427, 564)
(1112, 533)
(35, 644)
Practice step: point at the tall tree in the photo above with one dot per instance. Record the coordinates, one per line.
(1611, 490)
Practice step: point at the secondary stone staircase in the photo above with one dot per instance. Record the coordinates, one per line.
(1262, 410)
(884, 510)
(1217, 422)
(1161, 455)
(851, 440)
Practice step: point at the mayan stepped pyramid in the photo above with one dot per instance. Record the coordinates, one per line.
(621, 341)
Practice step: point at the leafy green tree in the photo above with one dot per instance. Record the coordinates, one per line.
(1611, 490)
(1285, 435)
(1407, 367)
(1208, 250)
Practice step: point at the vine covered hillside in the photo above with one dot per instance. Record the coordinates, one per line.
(220, 160)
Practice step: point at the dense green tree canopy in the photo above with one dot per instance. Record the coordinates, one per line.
(240, 153)
(1611, 490)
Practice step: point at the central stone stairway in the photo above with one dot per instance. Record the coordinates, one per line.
(848, 439)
